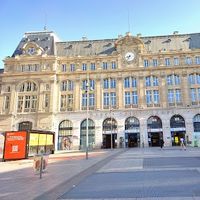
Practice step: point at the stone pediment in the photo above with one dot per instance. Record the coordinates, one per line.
(129, 42)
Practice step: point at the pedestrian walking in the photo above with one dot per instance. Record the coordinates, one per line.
(182, 141)
(161, 143)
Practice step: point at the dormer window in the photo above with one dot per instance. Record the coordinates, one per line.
(31, 50)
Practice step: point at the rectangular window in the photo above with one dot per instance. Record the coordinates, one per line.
(70, 100)
(178, 95)
(192, 79)
(193, 95)
(105, 65)
(105, 83)
(167, 62)
(127, 83)
(63, 102)
(7, 103)
(91, 100)
(148, 97)
(84, 100)
(72, 67)
(135, 98)
(148, 81)
(176, 61)
(170, 96)
(156, 96)
(155, 81)
(127, 98)
(134, 82)
(146, 63)
(113, 98)
(106, 99)
(113, 65)
(112, 83)
(197, 60)
(84, 67)
(20, 104)
(155, 62)
(64, 67)
(92, 66)
(33, 103)
(198, 90)
(27, 103)
(188, 60)
(46, 100)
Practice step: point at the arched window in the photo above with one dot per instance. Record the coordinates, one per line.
(25, 126)
(177, 121)
(173, 80)
(110, 124)
(28, 87)
(154, 122)
(130, 82)
(151, 81)
(91, 134)
(196, 123)
(65, 139)
(194, 79)
(132, 123)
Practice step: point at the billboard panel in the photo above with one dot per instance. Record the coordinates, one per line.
(15, 145)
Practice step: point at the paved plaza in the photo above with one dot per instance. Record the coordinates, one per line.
(120, 174)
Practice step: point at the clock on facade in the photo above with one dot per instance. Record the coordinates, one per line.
(129, 56)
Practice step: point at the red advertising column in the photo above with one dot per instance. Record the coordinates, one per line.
(15, 145)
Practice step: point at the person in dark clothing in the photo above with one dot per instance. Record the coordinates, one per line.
(161, 143)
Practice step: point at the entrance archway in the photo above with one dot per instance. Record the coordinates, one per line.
(65, 135)
(109, 133)
(177, 127)
(132, 133)
(155, 132)
(91, 134)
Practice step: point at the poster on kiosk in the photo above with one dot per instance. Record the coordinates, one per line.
(15, 145)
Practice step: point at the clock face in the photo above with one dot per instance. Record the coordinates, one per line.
(129, 56)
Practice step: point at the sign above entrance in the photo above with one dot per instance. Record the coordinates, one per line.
(154, 130)
(178, 129)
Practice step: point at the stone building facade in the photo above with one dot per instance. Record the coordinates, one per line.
(133, 89)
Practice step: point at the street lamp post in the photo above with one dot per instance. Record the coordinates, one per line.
(111, 142)
(87, 108)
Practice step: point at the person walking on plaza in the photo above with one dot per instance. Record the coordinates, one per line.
(161, 143)
(182, 141)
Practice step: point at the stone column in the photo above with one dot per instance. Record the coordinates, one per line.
(141, 92)
(163, 91)
(185, 89)
(13, 100)
(77, 94)
(98, 96)
(120, 93)
(143, 132)
(54, 97)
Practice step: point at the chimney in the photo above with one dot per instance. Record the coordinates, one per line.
(84, 38)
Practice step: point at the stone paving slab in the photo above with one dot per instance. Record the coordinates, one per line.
(17, 178)
(138, 185)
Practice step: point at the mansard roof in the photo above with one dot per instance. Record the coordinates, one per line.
(43, 39)
(48, 41)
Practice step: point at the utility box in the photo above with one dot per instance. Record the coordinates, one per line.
(22, 144)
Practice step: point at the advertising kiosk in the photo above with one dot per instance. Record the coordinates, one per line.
(22, 144)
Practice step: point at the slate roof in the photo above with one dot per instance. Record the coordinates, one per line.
(86, 48)
(45, 39)
(154, 44)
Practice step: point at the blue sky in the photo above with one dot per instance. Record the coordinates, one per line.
(96, 19)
